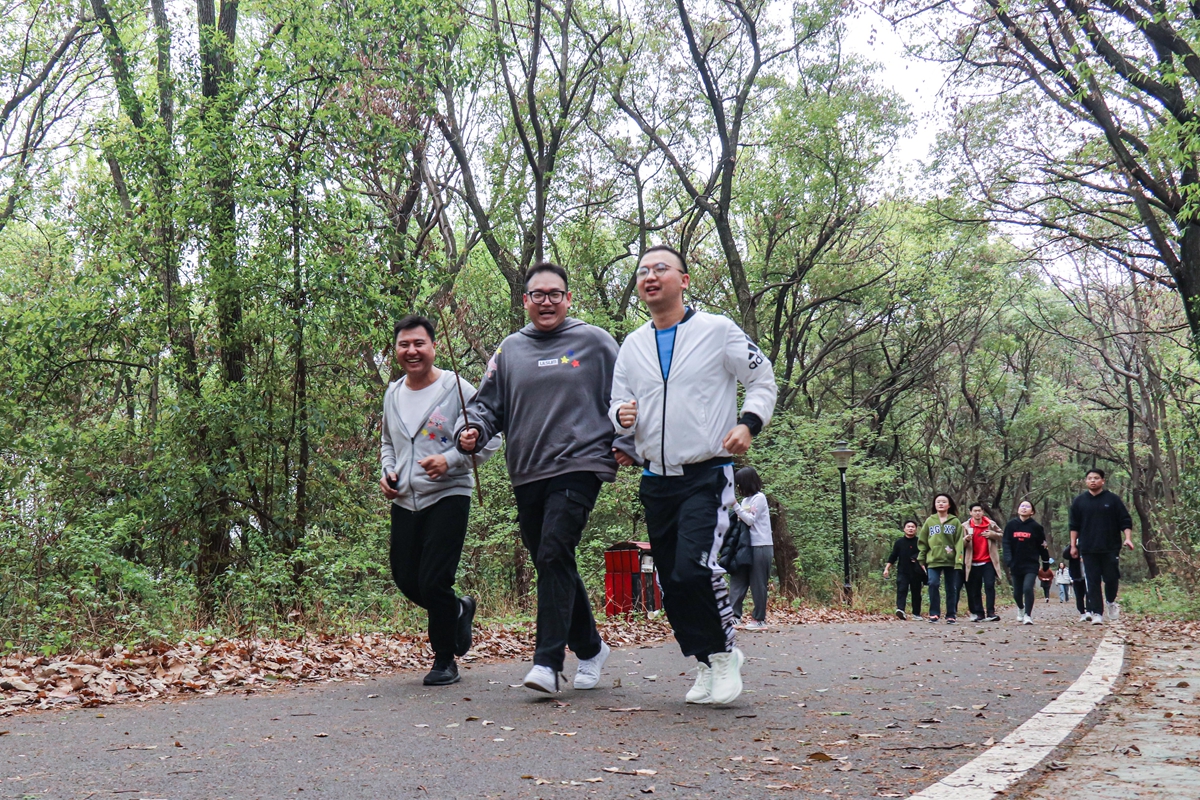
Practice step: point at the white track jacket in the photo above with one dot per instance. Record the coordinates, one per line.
(684, 418)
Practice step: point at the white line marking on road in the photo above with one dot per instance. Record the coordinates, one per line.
(1005, 763)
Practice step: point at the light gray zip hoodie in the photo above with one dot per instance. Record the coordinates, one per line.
(401, 449)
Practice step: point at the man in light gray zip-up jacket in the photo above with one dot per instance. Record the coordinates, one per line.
(429, 483)
(675, 386)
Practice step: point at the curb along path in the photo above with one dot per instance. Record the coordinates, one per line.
(1010, 760)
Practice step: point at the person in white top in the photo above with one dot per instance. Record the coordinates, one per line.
(754, 512)
(675, 388)
(1064, 580)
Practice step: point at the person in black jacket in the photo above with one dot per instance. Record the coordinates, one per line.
(1075, 569)
(1024, 552)
(910, 575)
(1098, 519)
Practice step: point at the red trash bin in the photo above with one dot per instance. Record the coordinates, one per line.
(630, 580)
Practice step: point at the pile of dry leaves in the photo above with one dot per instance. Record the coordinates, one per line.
(208, 666)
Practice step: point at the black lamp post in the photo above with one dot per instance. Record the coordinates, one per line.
(841, 456)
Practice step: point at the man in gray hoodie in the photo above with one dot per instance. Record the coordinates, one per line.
(429, 483)
(547, 389)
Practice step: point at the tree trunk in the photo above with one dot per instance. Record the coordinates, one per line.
(785, 551)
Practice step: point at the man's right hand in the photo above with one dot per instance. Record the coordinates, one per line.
(467, 440)
(388, 491)
(1074, 550)
(627, 414)
(886, 567)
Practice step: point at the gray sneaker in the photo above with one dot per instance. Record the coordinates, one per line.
(587, 674)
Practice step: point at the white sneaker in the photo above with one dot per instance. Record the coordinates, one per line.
(976, 618)
(587, 674)
(1085, 616)
(726, 676)
(1027, 621)
(1097, 619)
(755, 625)
(1020, 615)
(701, 691)
(900, 614)
(542, 679)
(1112, 610)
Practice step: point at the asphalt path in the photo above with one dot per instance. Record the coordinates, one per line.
(893, 706)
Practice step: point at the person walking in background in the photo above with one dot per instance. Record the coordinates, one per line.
(1075, 570)
(1046, 577)
(981, 559)
(675, 388)
(429, 483)
(1063, 580)
(910, 575)
(1098, 519)
(1024, 551)
(940, 544)
(546, 388)
(754, 512)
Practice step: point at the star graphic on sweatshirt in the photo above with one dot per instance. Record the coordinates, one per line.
(565, 359)
(444, 440)
(575, 363)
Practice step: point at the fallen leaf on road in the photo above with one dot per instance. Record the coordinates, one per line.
(320, 735)
(1049, 672)
(930, 720)
(645, 772)
(422, 725)
(648, 790)
(980, 707)
(1057, 766)
(560, 733)
(780, 786)
(911, 766)
(819, 756)
(593, 780)
(507, 728)
(989, 742)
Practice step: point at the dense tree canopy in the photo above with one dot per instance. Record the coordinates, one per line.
(213, 213)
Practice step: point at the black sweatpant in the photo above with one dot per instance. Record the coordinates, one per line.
(424, 552)
(686, 519)
(1097, 567)
(552, 514)
(1023, 583)
(909, 584)
(1080, 595)
(981, 582)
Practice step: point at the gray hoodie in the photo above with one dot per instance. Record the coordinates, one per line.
(548, 393)
(401, 449)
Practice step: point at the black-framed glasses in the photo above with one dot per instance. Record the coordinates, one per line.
(555, 296)
(659, 269)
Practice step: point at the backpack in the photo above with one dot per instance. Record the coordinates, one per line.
(735, 552)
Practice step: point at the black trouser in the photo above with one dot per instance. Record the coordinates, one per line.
(552, 514)
(1080, 591)
(980, 583)
(907, 584)
(424, 553)
(1097, 567)
(686, 518)
(1046, 590)
(1023, 583)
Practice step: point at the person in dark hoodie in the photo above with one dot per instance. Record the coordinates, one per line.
(1025, 552)
(546, 389)
(1098, 520)
(910, 575)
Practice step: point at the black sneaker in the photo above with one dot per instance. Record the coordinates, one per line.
(951, 620)
(994, 618)
(443, 673)
(900, 614)
(466, 618)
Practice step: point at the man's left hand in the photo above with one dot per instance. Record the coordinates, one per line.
(737, 441)
(1129, 543)
(434, 466)
(623, 458)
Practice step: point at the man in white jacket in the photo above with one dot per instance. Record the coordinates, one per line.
(429, 483)
(675, 385)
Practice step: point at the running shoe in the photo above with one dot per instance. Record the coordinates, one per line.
(934, 618)
(443, 673)
(1097, 619)
(726, 676)
(951, 621)
(976, 618)
(587, 674)
(466, 618)
(1112, 610)
(994, 617)
(701, 691)
(542, 679)
(900, 614)
(1027, 621)
(755, 625)
(1085, 616)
